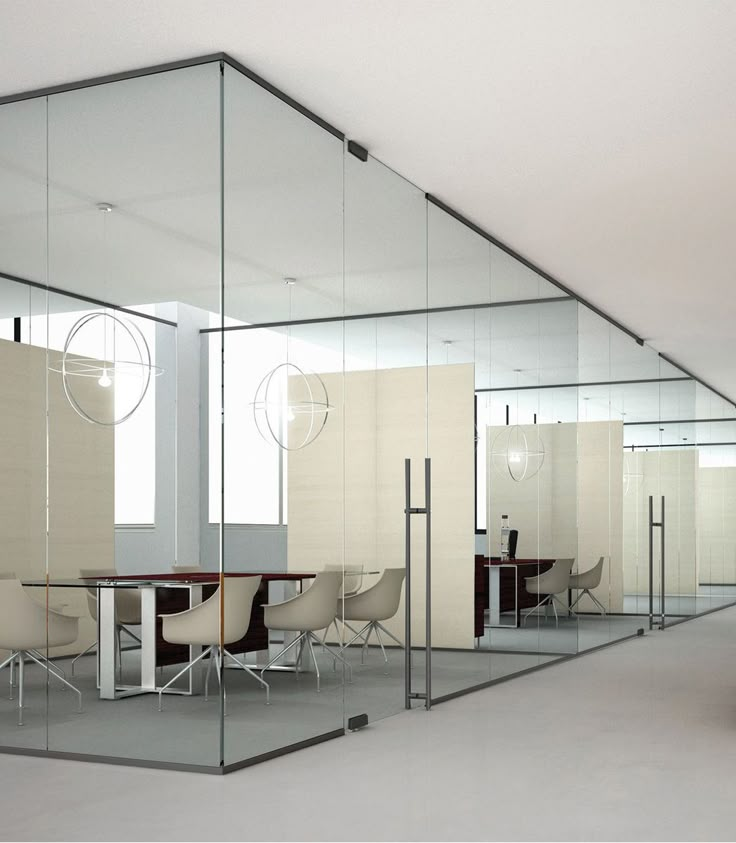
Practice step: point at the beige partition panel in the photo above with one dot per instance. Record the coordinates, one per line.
(346, 489)
(573, 507)
(672, 473)
(81, 481)
(716, 525)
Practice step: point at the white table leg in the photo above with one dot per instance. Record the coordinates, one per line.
(107, 642)
(148, 637)
(494, 595)
(195, 598)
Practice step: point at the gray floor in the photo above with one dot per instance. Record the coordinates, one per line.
(188, 730)
(634, 742)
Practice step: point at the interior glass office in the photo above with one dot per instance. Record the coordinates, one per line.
(242, 360)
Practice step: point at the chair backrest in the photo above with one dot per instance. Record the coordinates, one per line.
(127, 600)
(24, 624)
(202, 623)
(352, 577)
(592, 577)
(315, 608)
(380, 601)
(553, 581)
(513, 541)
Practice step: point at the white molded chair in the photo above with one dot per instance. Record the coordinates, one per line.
(586, 581)
(127, 609)
(311, 610)
(377, 603)
(27, 628)
(200, 625)
(551, 583)
(56, 607)
(352, 580)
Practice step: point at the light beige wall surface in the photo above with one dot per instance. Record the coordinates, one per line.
(572, 508)
(81, 481)
(346, 490)
(716, 527)
(672, 473)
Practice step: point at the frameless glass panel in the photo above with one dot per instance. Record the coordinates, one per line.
(385, 411)
(282, 426)
(23, 426)
(133, 222)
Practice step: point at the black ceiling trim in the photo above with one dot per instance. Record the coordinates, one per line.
(386, 314)
(529, 265)
(579, 384)
(98, 302)
(696, 378)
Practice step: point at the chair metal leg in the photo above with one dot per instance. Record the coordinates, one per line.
(83, 653)
(282, 653)
(380, 626)
(207, 678)
(338, 655)
(597, 602)
(52, 665)
(20, 689)
(575, 601)
(314, 659)
(10, 661)
(180, 673)
(365, 643)
(534, 609)
(383, 649)
(356, 636)
(299, 654)
(45, 664)
(253, 674)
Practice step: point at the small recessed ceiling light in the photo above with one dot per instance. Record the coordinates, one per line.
(105, 207)
(289, 282)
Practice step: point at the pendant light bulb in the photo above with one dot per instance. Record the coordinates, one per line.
(105, 381)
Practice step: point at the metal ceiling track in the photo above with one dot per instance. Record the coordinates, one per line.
(357, 149)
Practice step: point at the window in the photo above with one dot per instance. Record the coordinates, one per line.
(135, 439)
(253, 467)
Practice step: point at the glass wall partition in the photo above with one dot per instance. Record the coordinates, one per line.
(385, 414)
(134, 232)
(22, 421)
(279, 427)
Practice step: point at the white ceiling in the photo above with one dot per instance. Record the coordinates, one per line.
(595, 138)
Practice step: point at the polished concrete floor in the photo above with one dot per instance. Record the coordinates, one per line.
(189, 730)
(633, 742)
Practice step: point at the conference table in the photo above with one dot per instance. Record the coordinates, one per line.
(166, 594)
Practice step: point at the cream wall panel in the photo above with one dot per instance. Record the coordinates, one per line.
(573, 507)
(671, 473)
(81, 481)
(353, 490)
(716, 526)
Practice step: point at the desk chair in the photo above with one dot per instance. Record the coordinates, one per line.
(26, 628)
(306, 613)
(200, 626)
(352, 580)
(377, 603)
(550, 583)
(586, 581)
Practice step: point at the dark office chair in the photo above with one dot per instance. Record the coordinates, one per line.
(513, 539)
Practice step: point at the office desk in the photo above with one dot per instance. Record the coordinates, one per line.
(512, 595)
(164, 594)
